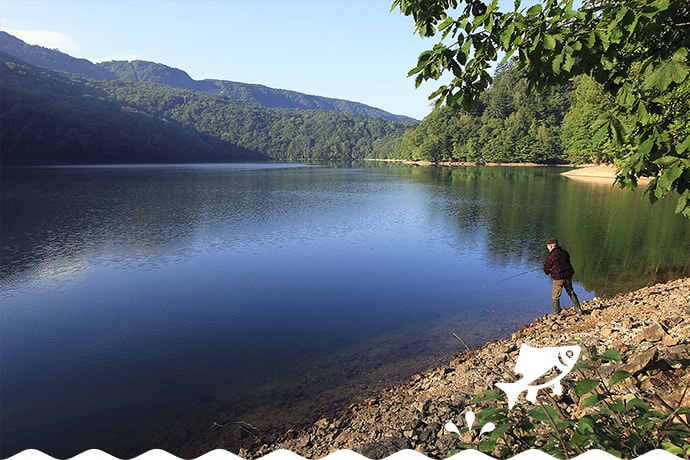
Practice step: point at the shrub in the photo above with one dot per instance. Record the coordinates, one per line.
(591, 415)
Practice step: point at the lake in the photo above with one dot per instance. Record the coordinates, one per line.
(196, 307)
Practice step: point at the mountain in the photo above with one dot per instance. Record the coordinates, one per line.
(151, 72)
(52, 59)
(57, 118)
(51, 117)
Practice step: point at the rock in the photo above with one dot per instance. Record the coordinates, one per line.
(323, 423)
(680, 352)
(341, 438)
(303, 441)
(429, 432)
(641, 361)
(379, 450)
(653, 333)
(669, 341)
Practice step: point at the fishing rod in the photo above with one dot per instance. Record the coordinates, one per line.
(520, 274)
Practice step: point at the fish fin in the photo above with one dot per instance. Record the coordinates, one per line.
(525, 359)
(512, 391)
(532, 394)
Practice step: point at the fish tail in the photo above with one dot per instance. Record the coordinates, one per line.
(512, 391)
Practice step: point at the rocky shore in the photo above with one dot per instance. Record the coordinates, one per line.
(650, 328)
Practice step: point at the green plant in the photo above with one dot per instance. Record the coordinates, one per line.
(592, 415)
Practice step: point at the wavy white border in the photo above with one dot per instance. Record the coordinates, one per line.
(282, 454)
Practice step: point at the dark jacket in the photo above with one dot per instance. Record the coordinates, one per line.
(557, 264)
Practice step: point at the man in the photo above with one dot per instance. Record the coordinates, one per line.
(557, 265)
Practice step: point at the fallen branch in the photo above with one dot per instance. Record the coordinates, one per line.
(242, 425)
(460, 339)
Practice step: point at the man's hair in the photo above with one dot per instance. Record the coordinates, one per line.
(552, 241)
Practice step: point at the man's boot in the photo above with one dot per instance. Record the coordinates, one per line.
(556, 306)
(576, 303)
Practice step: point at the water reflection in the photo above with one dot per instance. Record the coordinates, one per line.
(619, 241)
(52, 222)
(176, 296)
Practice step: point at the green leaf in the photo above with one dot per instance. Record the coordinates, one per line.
(627, 97)
(638, 403)
(617, 406)
(601, 125)
(500, 430)
(557, 63)
(616, 131)
(642, 113)
(590, 401)
(569, 62)
(672, 448)
(580, 442)
(446, 23)
(533, 11)
(540, 414)
(646, 146)
(549, 42)
(583, 365)
(488, 395)
(666, 73)
(422, 61)
(585, 386)
(681, 55)
(683, 206)
(683, 146)
(610, 355)
(585, 424)
(618, 377)
(669, 176)
(506, 35)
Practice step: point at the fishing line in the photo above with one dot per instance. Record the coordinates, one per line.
(515, 276)
(520, 274)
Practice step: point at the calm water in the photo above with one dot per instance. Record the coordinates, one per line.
(142, 304)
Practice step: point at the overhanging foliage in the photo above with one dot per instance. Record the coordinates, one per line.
(637, 50)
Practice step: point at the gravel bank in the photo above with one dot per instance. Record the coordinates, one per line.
(650, 327)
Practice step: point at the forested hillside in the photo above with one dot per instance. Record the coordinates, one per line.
(508, 125)
(247, 93)
(48, 118)
(151, 72)
(51, 117)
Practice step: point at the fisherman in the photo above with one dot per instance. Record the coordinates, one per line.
(558, 265)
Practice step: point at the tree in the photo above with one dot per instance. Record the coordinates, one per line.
(636, 49)
(576, 133)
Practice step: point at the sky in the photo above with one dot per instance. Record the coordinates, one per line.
(356, 50)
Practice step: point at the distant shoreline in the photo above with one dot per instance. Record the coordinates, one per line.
(459, 163)
(586, 173)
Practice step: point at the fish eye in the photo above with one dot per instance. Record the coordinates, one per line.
(569, 353)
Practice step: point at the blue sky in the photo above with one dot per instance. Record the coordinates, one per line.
(347, 49)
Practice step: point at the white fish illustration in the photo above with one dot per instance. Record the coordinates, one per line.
(534, 363)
